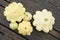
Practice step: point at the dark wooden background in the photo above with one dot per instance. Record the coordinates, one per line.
(31, 5)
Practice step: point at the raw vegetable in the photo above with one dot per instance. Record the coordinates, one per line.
(43, 20)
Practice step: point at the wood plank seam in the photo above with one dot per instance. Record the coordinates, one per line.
(2, 6)
(54, 5)
(55, 2)
(7, 1)
(54, 36)
(56, 30)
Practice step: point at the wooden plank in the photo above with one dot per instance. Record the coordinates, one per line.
(56, 34)
(2, 17)
(40, 36)
(3, 3)
(57, 21)
(55, 2)
(10, 34)
(38, 5)
(2, 37)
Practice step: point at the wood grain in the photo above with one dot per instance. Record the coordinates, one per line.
(55, 3)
